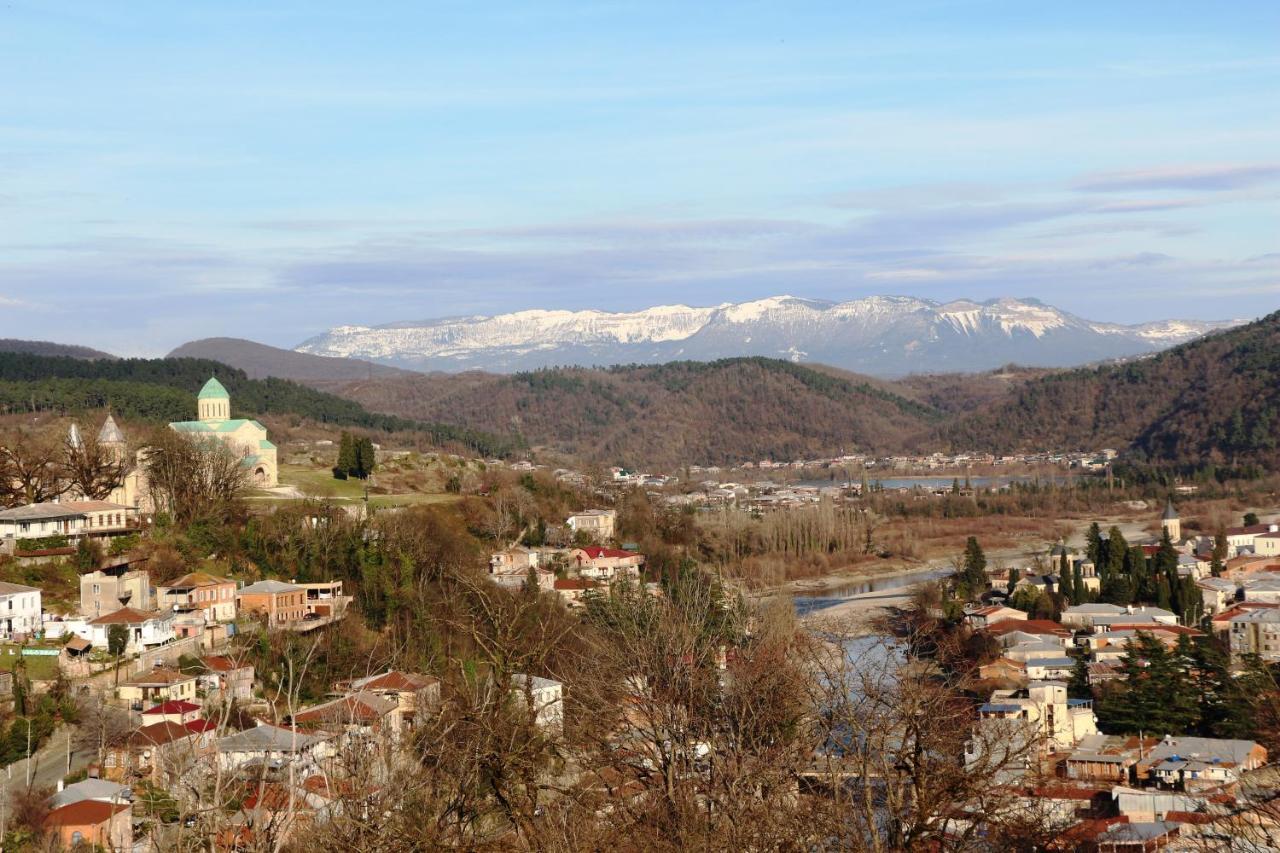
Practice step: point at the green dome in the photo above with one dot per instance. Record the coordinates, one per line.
(213, 390)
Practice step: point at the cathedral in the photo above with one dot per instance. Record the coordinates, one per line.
(213, 411)
(246, 437)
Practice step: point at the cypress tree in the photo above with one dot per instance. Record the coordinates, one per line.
(1078, 687)
(974, 574)
(1093, 546)
(1219, 562)
(1066, 587)
(1080, 593)
(366, 459)
(1116, 551)
(346, 454)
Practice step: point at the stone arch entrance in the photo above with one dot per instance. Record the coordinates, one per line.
(260, 475)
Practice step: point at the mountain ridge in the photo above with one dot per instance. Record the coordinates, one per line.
(259, 361)
(879, 335)
(1211, 401)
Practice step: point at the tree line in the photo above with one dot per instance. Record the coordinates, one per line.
(163, 389)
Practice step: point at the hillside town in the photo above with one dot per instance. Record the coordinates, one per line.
(179, 688)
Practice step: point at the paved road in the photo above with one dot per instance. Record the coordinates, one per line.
(48, 765)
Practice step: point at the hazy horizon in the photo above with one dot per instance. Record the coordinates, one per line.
(173, 172)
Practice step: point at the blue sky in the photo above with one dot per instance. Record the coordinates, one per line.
(261, 169)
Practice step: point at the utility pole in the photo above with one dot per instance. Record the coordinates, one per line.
(28, 753)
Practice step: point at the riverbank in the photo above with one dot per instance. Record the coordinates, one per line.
(857, 615)
(1132, 528)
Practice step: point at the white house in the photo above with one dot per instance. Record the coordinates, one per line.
(606, 564)
(146, 629)
(36, 521)
(274, 747)
(596, 523)
(981, 617)
(1267, 544)
(546, 697)
(1256, 632)
(1263, 587)
(20, 610)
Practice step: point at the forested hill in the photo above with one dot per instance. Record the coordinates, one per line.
(50, 348)
(668, 415)
(165, 390)
(260, 361)
(1215, 400)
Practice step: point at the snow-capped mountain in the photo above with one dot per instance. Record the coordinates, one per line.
(883, 335)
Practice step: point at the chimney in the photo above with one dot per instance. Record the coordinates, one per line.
(60, 786)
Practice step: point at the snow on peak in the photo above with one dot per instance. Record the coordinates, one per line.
(900, 331)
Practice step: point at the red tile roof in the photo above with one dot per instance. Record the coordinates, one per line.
(158, 734)
(125, 616)
(160, 675)
(173, 706)
(1255, 529)
(84, 813)
(403, 682)
(595, 552)
(576, 583)
(1157, 628)
(356, 708)
(1029, 626)
(222, 663)
(1242, 607)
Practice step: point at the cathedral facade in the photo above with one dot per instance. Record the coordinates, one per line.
(248, 438)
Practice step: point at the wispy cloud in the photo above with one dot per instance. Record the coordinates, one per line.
(1195, 177)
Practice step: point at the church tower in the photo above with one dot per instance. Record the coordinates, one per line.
(214, 403)
(1171, 523)
(111, 438)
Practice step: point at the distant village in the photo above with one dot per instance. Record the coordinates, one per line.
(1157, 789)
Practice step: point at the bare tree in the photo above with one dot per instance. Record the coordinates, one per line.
(905, 763)
(31, 469)
(101, 725)
(194, 477)
(93, 469)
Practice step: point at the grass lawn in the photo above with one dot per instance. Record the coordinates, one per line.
(39, 668)
(320, 482)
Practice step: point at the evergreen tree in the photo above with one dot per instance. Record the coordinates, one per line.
(1066, 587)
(1116, 589)
(1078, 686)
(1141, 583)
(1116, 551)
(1013, 581)
(1219, 562)
(346, 454)
(1093, 546)
(1156, 694)
(366, 458)
(1080, 594)
(974, 573)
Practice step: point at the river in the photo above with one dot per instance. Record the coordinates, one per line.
(809, 602)
(931, 483)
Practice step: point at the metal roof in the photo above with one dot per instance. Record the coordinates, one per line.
(39, 512)
(213, 390)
